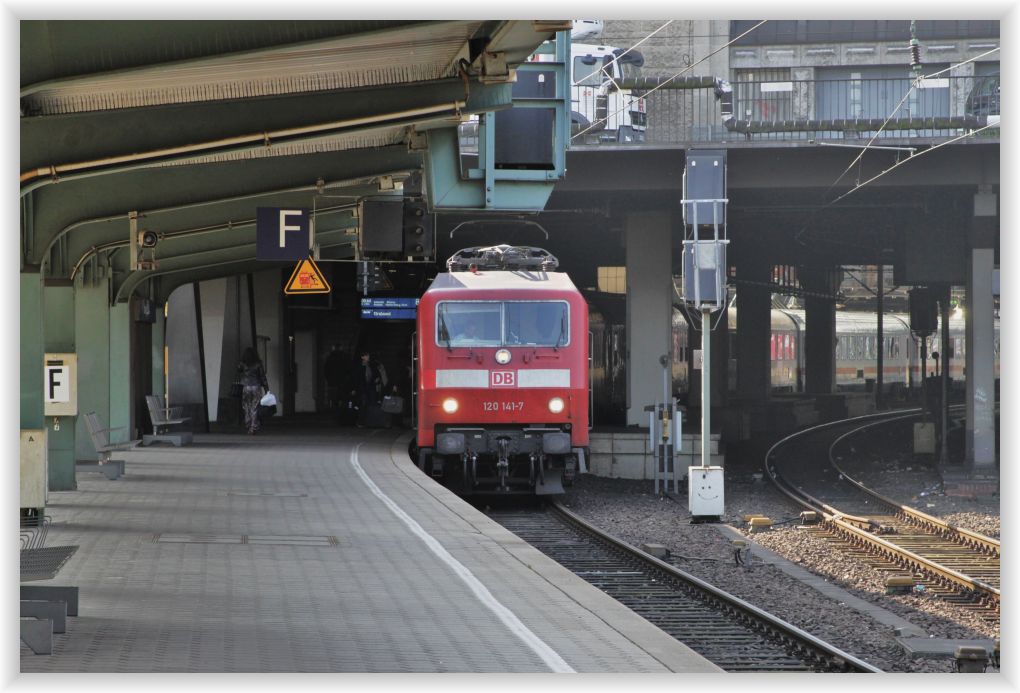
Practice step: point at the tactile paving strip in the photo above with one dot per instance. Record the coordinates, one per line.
(260, 539)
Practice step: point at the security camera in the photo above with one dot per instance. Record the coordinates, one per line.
(147, 239)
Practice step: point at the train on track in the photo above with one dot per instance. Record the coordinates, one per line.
(501, 374)
(855, 353)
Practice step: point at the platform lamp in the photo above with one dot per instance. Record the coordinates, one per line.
(704, 289)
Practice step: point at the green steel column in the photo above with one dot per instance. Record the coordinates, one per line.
(121, 409)
(92, 339)
(158, 332)
(58, 321)
(31, 349)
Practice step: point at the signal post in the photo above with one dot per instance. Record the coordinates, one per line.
(704, 290)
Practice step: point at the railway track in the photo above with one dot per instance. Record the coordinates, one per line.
(955, 564)
(731, 633)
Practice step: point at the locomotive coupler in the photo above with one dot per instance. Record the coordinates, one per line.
(503, 462)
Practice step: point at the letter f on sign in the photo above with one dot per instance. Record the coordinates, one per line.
(284, 228)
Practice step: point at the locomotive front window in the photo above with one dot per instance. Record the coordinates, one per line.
(465, 324)
(537, 323)
(494, 324)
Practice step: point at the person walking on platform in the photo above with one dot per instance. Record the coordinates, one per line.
(368, 386)
(254, 385)
(336, 368)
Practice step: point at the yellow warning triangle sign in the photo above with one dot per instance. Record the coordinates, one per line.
(307, 279)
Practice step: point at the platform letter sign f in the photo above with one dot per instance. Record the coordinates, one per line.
(284, 228)
(282, 234)
(57, 382)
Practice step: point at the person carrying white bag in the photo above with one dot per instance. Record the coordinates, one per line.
(267, 405)
(253, 382)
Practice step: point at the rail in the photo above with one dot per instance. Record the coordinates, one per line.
(791, 648)
(978, 541)
(859, 528)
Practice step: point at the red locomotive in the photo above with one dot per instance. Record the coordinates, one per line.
(502, 374)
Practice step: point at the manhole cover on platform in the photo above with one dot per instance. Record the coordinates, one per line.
(257, 539)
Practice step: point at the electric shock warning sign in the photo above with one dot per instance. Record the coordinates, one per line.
(307, 279)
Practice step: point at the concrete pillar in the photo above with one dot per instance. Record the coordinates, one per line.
(959, 89)
(214, 328)
(649, 308)
(803, 105)
(59, 338)
(92, 342)
(754, 325)
(980, 439)
(820, 337)
(185, 365)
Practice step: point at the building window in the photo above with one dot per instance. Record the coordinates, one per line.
(612, 280)
(763, 94)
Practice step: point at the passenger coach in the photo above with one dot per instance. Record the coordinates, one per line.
(502, 373)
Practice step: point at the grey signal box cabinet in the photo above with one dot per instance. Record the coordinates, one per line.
(705, 179)
(704, 277)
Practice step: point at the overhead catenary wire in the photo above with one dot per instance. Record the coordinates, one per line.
(913, 85)
(911, 158)
(670, 79)
(899, 163)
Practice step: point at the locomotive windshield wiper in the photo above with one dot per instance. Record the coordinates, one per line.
(563, 330)
(444, 333)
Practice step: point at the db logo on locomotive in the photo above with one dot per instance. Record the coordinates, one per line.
(503, 379)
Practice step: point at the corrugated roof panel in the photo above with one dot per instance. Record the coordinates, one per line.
(410, 54)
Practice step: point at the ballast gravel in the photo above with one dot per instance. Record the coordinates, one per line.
(633, 512)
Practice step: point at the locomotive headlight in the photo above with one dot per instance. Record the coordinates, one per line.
(450, 405)
(556, 405)
(503, 357)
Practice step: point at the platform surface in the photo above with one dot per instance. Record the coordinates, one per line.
(275, 553)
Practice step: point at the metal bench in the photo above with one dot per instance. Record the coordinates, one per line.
(44, 609)
(162, 418)
(105, 447)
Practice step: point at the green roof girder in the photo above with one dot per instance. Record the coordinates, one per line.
(60, 205)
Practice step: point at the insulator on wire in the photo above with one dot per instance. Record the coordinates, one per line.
(915, 54)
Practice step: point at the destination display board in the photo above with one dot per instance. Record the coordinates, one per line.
(390, 308)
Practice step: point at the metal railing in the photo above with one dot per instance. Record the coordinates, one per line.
(708, 110)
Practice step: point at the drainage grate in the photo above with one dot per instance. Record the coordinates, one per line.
(268, 494)
(257, 539)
